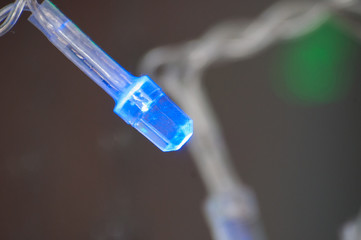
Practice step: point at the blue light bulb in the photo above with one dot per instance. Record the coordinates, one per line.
(139, 101)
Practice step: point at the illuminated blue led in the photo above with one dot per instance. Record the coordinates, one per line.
(139, 101)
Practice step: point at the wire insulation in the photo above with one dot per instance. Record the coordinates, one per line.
(11, 13)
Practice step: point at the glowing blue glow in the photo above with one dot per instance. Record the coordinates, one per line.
(152, 113)
(139, 101)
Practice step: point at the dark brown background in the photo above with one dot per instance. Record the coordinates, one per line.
(71, 169)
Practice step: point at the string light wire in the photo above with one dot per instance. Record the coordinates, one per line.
(231, 208)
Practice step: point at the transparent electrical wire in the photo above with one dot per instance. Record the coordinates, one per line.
(139, 101)
(10, 14)
(180, 70)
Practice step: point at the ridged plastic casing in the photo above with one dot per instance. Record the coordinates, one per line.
(139, 101)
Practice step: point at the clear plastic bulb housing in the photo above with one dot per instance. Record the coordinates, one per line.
(139, 101)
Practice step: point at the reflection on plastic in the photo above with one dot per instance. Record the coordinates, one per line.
(139, 101)
(233, 215)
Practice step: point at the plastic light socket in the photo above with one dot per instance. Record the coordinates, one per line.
(139, 101)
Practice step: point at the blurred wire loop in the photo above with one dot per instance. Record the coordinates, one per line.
(240, 39)
(231, 208)
(180, 69)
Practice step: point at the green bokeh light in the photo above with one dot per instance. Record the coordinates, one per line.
(316, 68)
